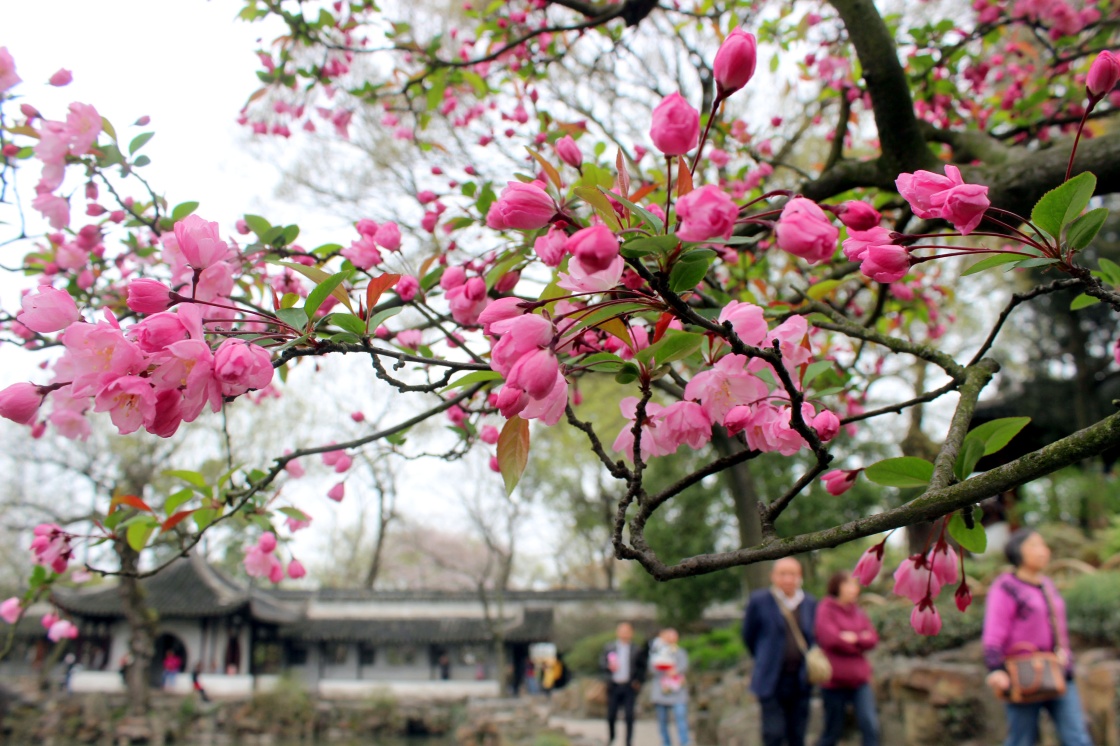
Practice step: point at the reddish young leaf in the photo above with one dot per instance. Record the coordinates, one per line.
(641, 193)
(549, 169)
(174, 520)
(513, 451)
(662, 325)
(684, 180)
(623, 174)
(130, 500)
(377, 286)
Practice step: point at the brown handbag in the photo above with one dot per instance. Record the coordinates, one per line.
(818, 666)
(1036, 675)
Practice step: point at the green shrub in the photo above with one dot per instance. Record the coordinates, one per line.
(717, 650)
(286, 708)
(583, 658)
(1092, 606)
(898, 637)
(551, 739)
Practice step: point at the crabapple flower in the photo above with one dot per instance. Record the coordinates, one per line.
(520, 206)
(8, 77)
(734, 62)
(858, 215)
(914, 580)
(805, 231)
(839, 481)
(242, 366)
(61, 78)
(569, 152)
(963, 596)
(49, 310)
(596, 247)
(10, 610)
(582, 279)
(746, 320)
(62, 630)
(294, 468)
(51, 547)
(551, 247)
(965, 206)
(149, 296)
(337, 492)
(130, 402)
(200, 243)
(826, 424)
(489, 434)
(684, 423)
(925, 619)
(1104, 73)
(857, 242)
(54, 208)
(407, 287)
(535, 373)
(20, 403)
(723, 386)
(869, 565)
(885, 263)
(675, 128)
(706, 213)
(652, 442)
(948, 197)
(388, 236)
(944, 563)
(260, 564)
(267, 542)
(296, 570)
(48, 619)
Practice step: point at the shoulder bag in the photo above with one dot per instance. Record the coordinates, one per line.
(816, 662)
(1036, 675)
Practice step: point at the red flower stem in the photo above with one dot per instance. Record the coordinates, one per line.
(668, 190)
(1077, 139)
(704, 137)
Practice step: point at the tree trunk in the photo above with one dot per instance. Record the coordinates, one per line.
(142, 627)
(744, 495)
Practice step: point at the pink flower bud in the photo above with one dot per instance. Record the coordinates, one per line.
(595, 247)
(858, 215)
(827, 425)
(963, 596)
(944, 563)
(869, 565)
(11, 610)
(148, 296)
(61, 78)
(675, 128)
(296, 570)
(735, 61)
(407, 287)
(49, 310)
(885, 263)
(837, 481)
(388, 236)
(924, 618)
(367, 227)
(20, 403)
(337, 492)
(267, 542)
(569, 152)
(521, 207)
(242, 366)
(706, 213)
(275, 572)
(1104, 73)
(805, 231)
(489, 434)
(62, 630)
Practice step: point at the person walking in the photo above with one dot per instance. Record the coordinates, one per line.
(196, 682)
(845, 634)
(624, 665)
(780, 679)
(668, 663)
(1024, 612)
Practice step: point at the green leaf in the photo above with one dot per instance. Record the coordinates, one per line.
(1110, 270)
(675, 345)
(688, 272)
(193, 478)
(139, 141)
(603, 362)
(294, 513)
(1083, 301)
(477, 376)
(349, 322)
(203, 517)
(904, 471)
(659, 245)
(182, 210)
(973, 539)
(646, 216)
(139, 532)
(821, 289)
(513, 451)
(141, 161)
(996, 434)
(176, 499)
(990, 261)
(971, 452)
(108, 128)
(317, 276)
(627, 374)
(600, 314)
(380, 317)
(1083, 230)
(1058, 207)
(258, 225)
(316, 297)
(289, 300)
(1039, 262)
(293, 317)
(602, 206)
(813, 370)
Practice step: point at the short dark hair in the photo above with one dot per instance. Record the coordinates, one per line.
(838, 579)
(1014, 546)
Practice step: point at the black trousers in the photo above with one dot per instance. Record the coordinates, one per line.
(786, 714)
(624, 696)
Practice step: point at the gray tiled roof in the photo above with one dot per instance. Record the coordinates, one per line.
(534, 625)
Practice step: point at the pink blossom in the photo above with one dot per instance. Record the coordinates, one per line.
(535, 373)
(51, 547)
(569, 152)
(734, 62)
(790, 336)
(826, 424)
(1104, 73)
(343, 464)
(367, 228)
(363, 253)
(297, 524)
(11, 610)
(468, 301)
(924, 618)
(869, 565)
(944, 563)
(489, 434)
(199, 242)
(20, 403)
(684, 423)
(675, 128)
(337, 492)
(496, 315)
(746, 320)
(259, 564)
(857, 243)
(724, 385)
(49, 310)
(521, 207)
(54, 208)
(965, 206)
(768, 430)
(551, 246)
(805, 231)
(267, 542)
(83, 125)
(294, 468)
(858, 215)
(62, 630)
(550, 408)
(914, 580)
(130, 402)
(188, 366)
(93, 350)
(581, 279)
(839, 481)
(410, 338)
(963, 596)
(885, 263)
(148, 296)
(296, 570)
(948, 197)
(652, 442)
(48, 619)
(389, 236)
(596, 247)
(61, 78)
(407, 287)
(242, 366)
(921, 190)
(8, 77)
(161, 330)
(706, 213)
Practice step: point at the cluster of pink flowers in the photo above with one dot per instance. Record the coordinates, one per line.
(366, 251)
(261, 561)
(59, 629)
(51, 547)
(524, 354)
(933, 196)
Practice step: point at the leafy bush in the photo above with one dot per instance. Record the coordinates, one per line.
(896, 636)
(1092, 603)
(286, 708)
(583, 658)
(717, 650)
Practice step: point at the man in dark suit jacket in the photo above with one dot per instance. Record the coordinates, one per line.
(624, 664)
(780, 680)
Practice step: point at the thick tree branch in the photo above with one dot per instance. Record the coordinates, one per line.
(976, 378)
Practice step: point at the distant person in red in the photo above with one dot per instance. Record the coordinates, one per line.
(197, 684)
(845, 635)
(172, 663)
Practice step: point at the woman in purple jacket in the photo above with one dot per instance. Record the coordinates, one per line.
(1018, 610)
(845, 635)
